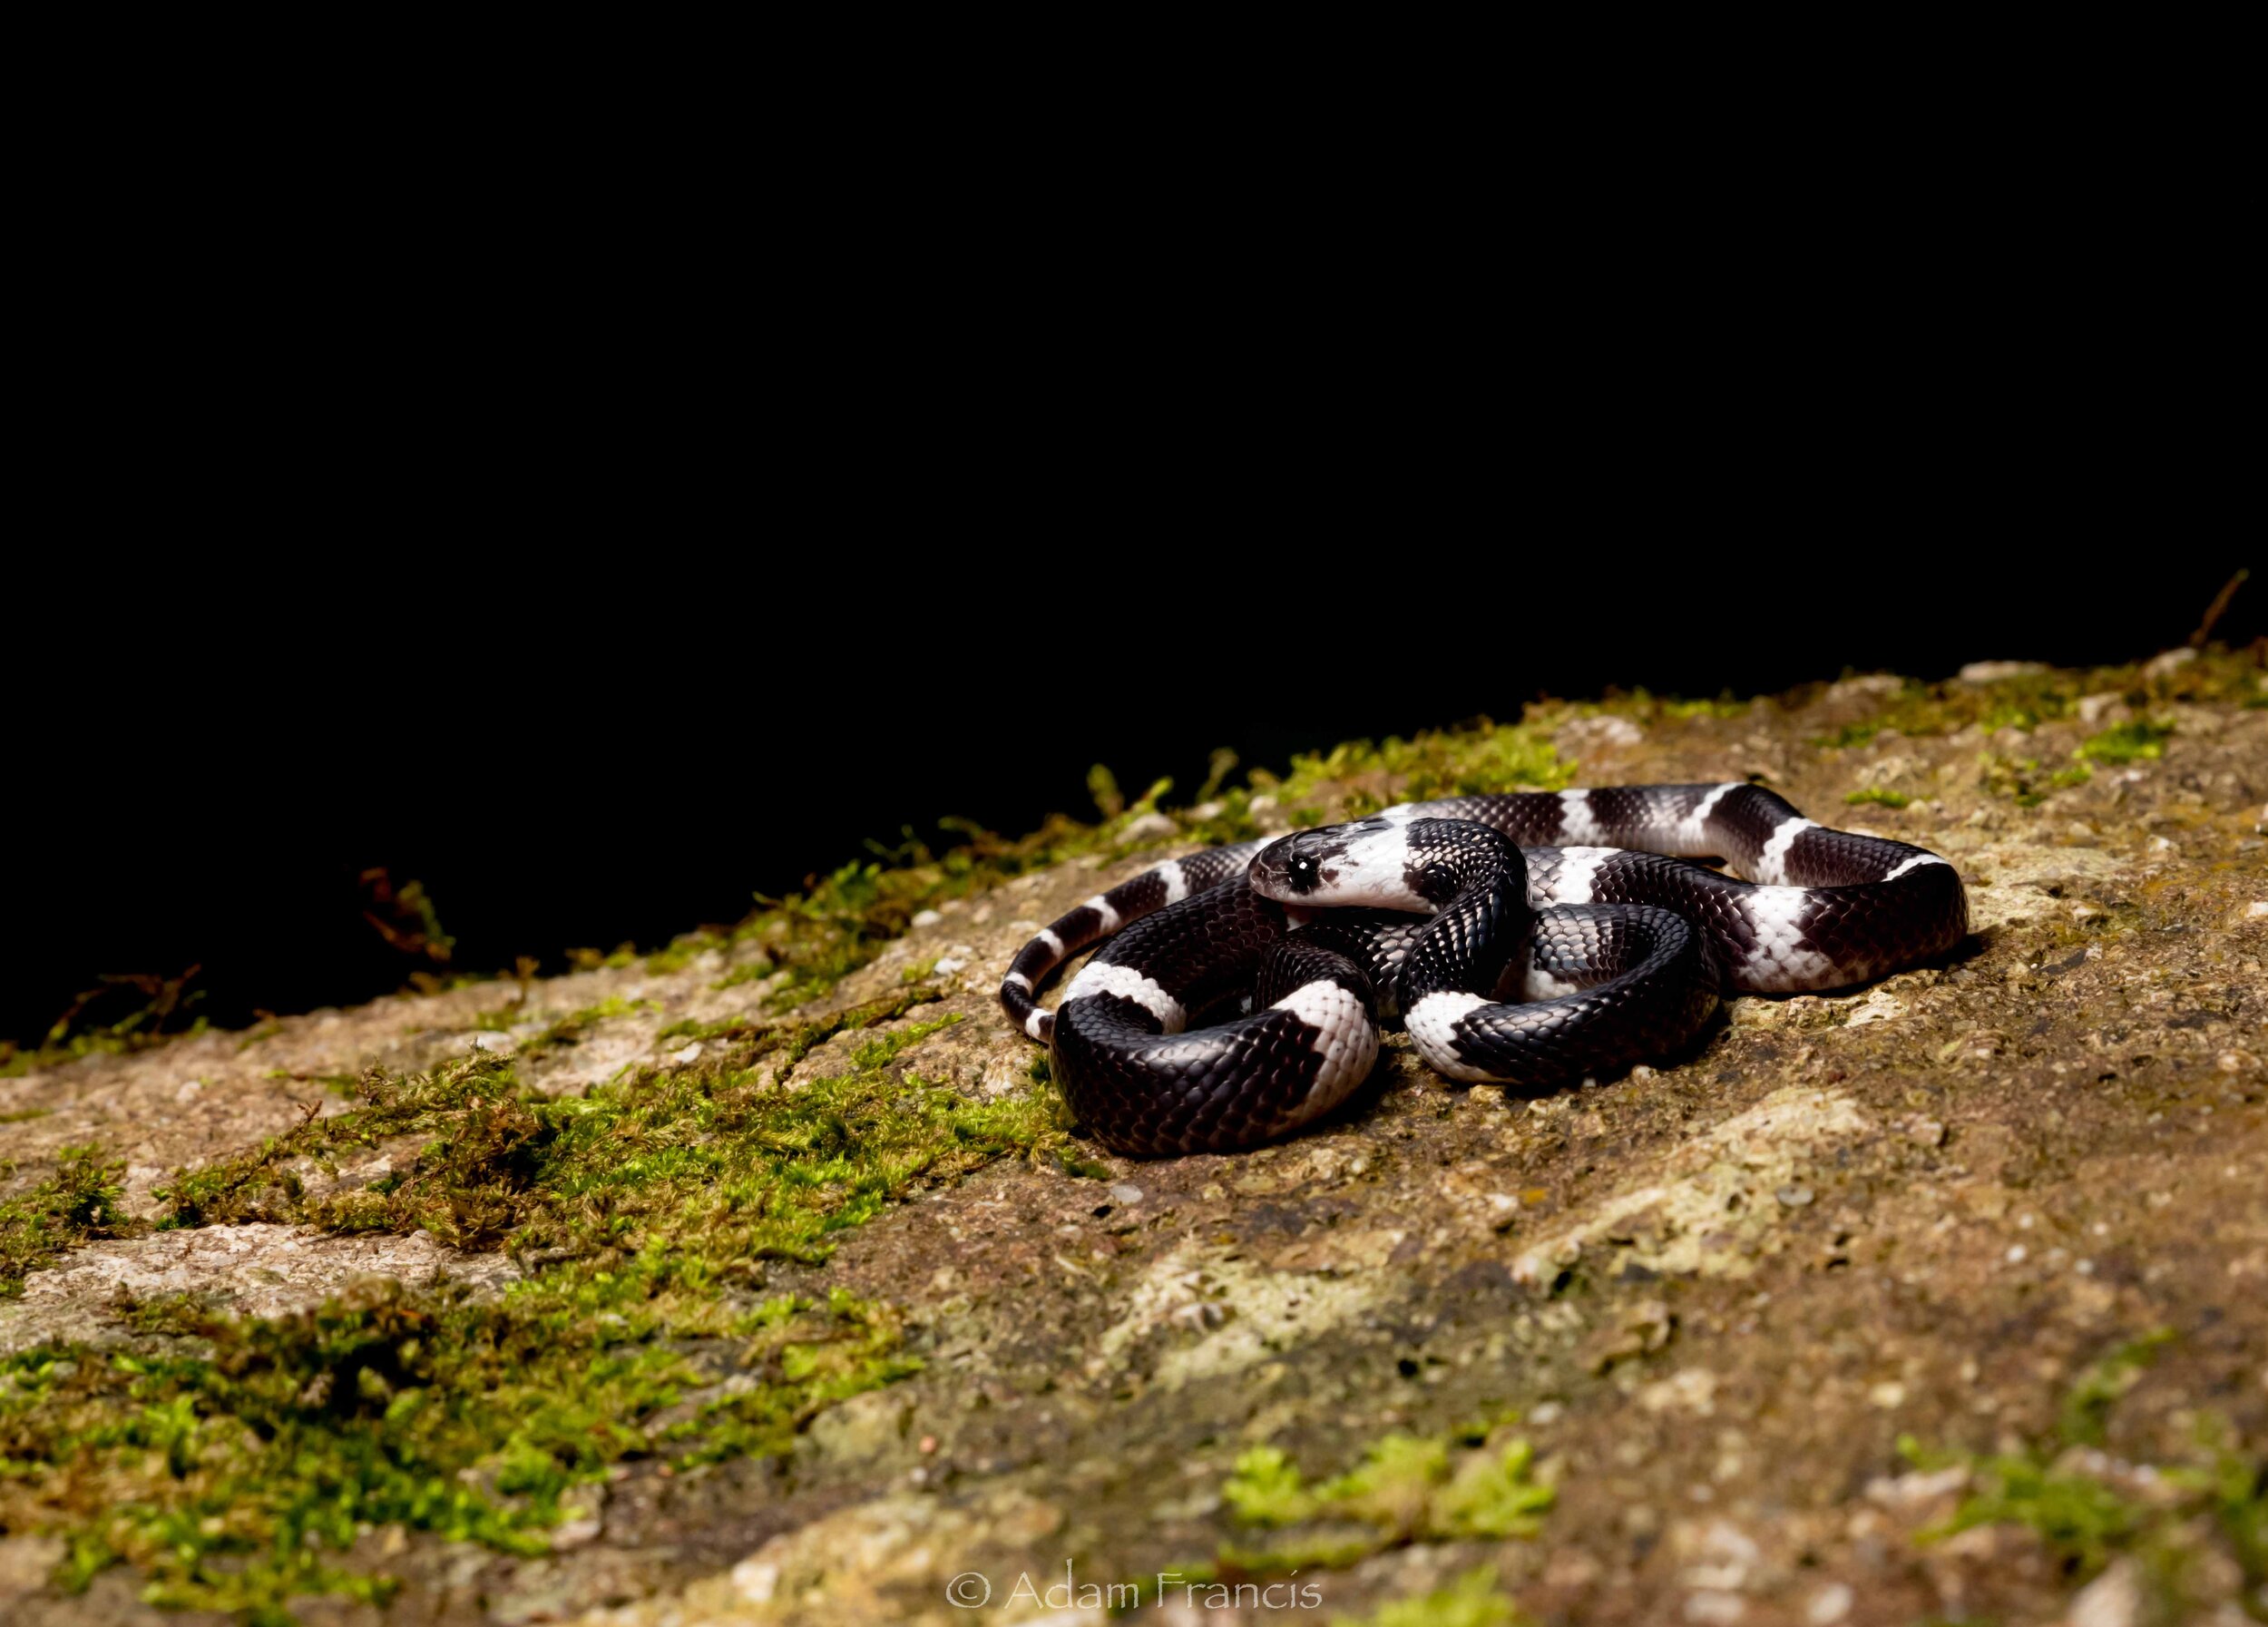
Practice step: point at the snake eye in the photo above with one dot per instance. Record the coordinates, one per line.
(1303, 869)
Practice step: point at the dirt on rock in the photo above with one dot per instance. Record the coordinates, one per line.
(1785, 1322)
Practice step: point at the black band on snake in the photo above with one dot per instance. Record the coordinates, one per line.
(1526, 939)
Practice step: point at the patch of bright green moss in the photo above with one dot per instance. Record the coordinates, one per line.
(1878, 796)
(1471, 1484)
(2020, 780)
(78, 1203)
(1471, 1601)
(2076, 1514)
(239, 1479)
(1484, 758)
(716, 1158)
(2136, 741)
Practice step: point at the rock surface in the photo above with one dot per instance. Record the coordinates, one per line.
(1717, 1291)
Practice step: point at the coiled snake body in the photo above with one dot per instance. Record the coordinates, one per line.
(1527, 939)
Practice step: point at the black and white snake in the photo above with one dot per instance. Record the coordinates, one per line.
(1526, 939)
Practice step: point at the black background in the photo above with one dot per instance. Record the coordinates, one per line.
(599, 586)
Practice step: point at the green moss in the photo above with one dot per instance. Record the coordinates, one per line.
(2020, 780)
(1483, 757)
(715, 1157)
(265, 1030)
(2085, 1415)
(2028, 700)
(2057, 1493)
(238, 1480)
(78, 1203)
(1406, 1489)
(25, 1115)
(569, 1029)
(2079, 1516)
(1266, 1488)
(1847, 736)
(1471, 1601)
(592, 960)
(748, 971)
(183, 1315)
(682, 952)
(2128, 742)
(2235, 1494)
(71, 1037)
(1878, 796)
(1103, 786)
(1725, 705)
(2015, 777)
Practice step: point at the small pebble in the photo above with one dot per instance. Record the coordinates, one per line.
(691, 1052)
(1126, 1192)
(2016, 1254)
(1829, 1605)
(1794, 1197)
(927, 918)
(1149, 827)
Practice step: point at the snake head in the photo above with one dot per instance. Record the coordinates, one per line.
(1366, 862)
(1288, 870)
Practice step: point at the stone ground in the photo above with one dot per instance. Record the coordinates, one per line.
(1716, 1292)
